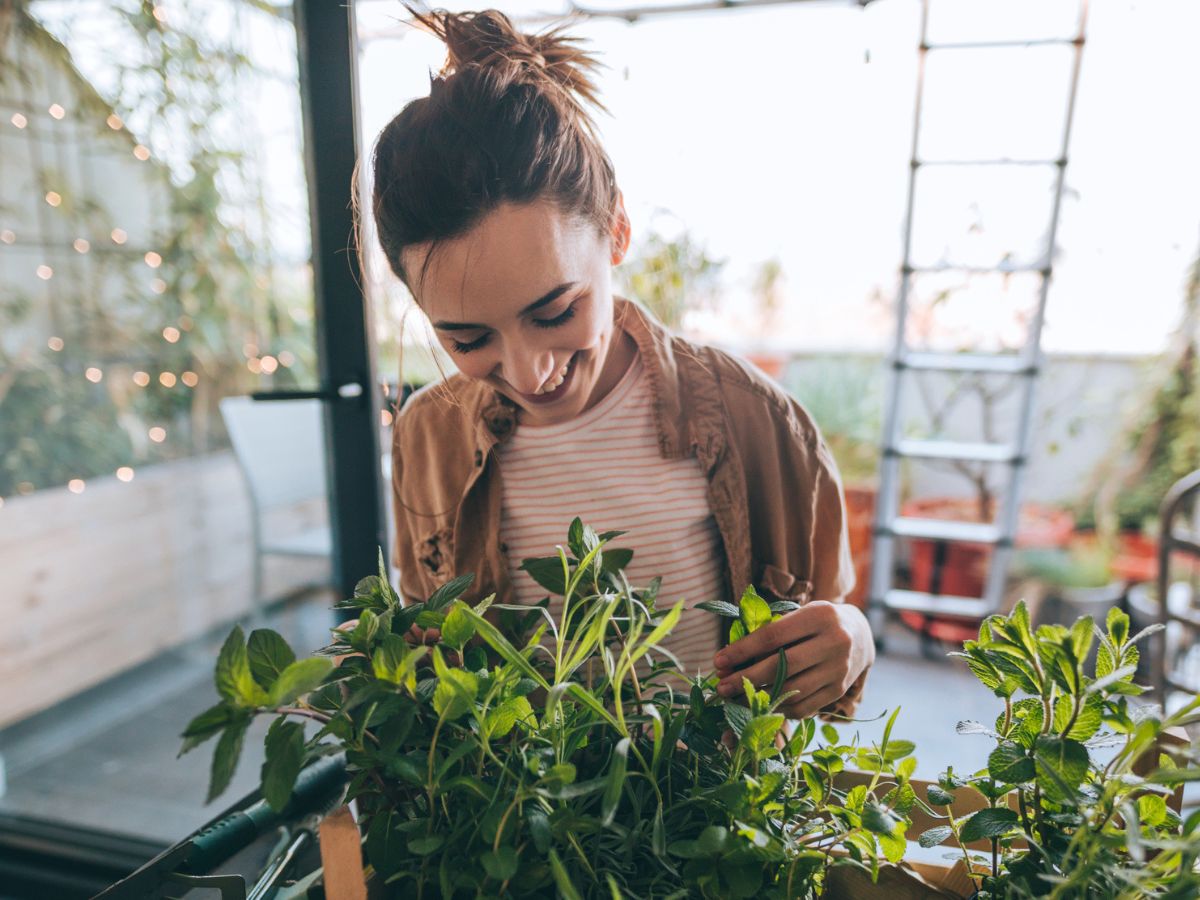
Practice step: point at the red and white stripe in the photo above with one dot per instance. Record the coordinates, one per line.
(605, 467)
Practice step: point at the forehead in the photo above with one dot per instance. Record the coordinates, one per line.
(513, 256)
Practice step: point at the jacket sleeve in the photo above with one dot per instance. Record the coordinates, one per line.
(827, 534)
(404, 553)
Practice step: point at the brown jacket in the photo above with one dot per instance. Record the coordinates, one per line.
(773, 486)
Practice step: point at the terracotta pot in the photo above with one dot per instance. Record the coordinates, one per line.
(960, 569)
(1136, 559)
(772, 364)
(860, 523)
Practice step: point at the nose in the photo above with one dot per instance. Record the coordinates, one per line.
(526, 368)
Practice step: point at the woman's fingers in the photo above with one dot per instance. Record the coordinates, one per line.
(800, 658)
(806, 706)
(808, 621)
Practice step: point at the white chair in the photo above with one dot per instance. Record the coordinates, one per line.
(280, 448)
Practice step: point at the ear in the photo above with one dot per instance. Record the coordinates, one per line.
(622, 231)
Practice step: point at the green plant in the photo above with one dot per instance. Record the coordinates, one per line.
(670, 275)
(1079, 566)
(564, 755)
(1061, 822)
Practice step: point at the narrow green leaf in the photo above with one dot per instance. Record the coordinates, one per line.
(616, 781)
(561, 879)
(781, 673)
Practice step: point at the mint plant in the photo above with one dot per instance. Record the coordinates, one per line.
(1061, 820)
(527, 755)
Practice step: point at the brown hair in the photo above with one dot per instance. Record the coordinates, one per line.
(505, 121)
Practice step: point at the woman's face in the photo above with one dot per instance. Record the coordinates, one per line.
(524, 303)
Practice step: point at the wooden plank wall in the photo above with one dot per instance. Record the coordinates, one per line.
(94, 583)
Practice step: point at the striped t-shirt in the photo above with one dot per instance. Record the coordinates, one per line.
(604, 466)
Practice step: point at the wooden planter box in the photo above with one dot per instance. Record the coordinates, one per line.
(923, 874)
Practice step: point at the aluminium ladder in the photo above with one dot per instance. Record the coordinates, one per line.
(1026, 366)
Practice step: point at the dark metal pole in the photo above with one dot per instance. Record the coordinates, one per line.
(325, 38)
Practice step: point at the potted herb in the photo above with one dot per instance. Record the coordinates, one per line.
(1062, 818)
(574, 760)
(559, 755)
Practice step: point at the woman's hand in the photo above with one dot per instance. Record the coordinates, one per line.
(828, 646)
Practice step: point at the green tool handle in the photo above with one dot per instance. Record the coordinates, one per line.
(318, 787)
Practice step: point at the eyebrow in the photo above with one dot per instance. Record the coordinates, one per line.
(537, 304)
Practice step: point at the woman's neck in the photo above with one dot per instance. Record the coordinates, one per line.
(621, 355)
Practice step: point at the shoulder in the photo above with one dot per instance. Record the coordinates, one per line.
(436, 425)
(748, 394)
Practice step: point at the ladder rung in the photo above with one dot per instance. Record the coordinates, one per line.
(937, 604)
(1001, 269)
(946, 530)
(960, 450)
(1002, 161)
(991, 45)
(996, 363)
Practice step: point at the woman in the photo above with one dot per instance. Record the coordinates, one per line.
(497, 206)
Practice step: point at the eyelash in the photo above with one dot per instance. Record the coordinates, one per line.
(561, 319)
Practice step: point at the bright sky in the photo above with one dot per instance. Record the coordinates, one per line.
(786, 130)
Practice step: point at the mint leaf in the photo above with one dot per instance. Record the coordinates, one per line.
(449, 592)
(269, 655)
(225, 757)
(457, 628)
(284, 756)
(935, 836)
(754, 611)
(988, 823)
(299, 678)
(234, 681)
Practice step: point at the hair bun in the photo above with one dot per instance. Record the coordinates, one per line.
(489, 39)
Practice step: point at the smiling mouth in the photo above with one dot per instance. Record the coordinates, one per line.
(556, 387)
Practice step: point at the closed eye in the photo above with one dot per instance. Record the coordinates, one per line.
(561, 319)
(468, 346)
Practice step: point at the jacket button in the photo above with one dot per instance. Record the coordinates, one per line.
(504, 548)
(479, 457)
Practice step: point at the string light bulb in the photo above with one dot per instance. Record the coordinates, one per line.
(191, 379)
(158, 435)
(254, 365)
(142, 152)
(119, 236)
(125, 474)
(114, 122)
(76, 485)
(57, 111)
(141, 379)
(81, 245)
(158, 286)
(93, 375)
(269, 364)
(54, 198)
(19, 120)
(170, 334)
(45, 272)
(153, 260)
(8, 236)
(55, 344)
(166, 379)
